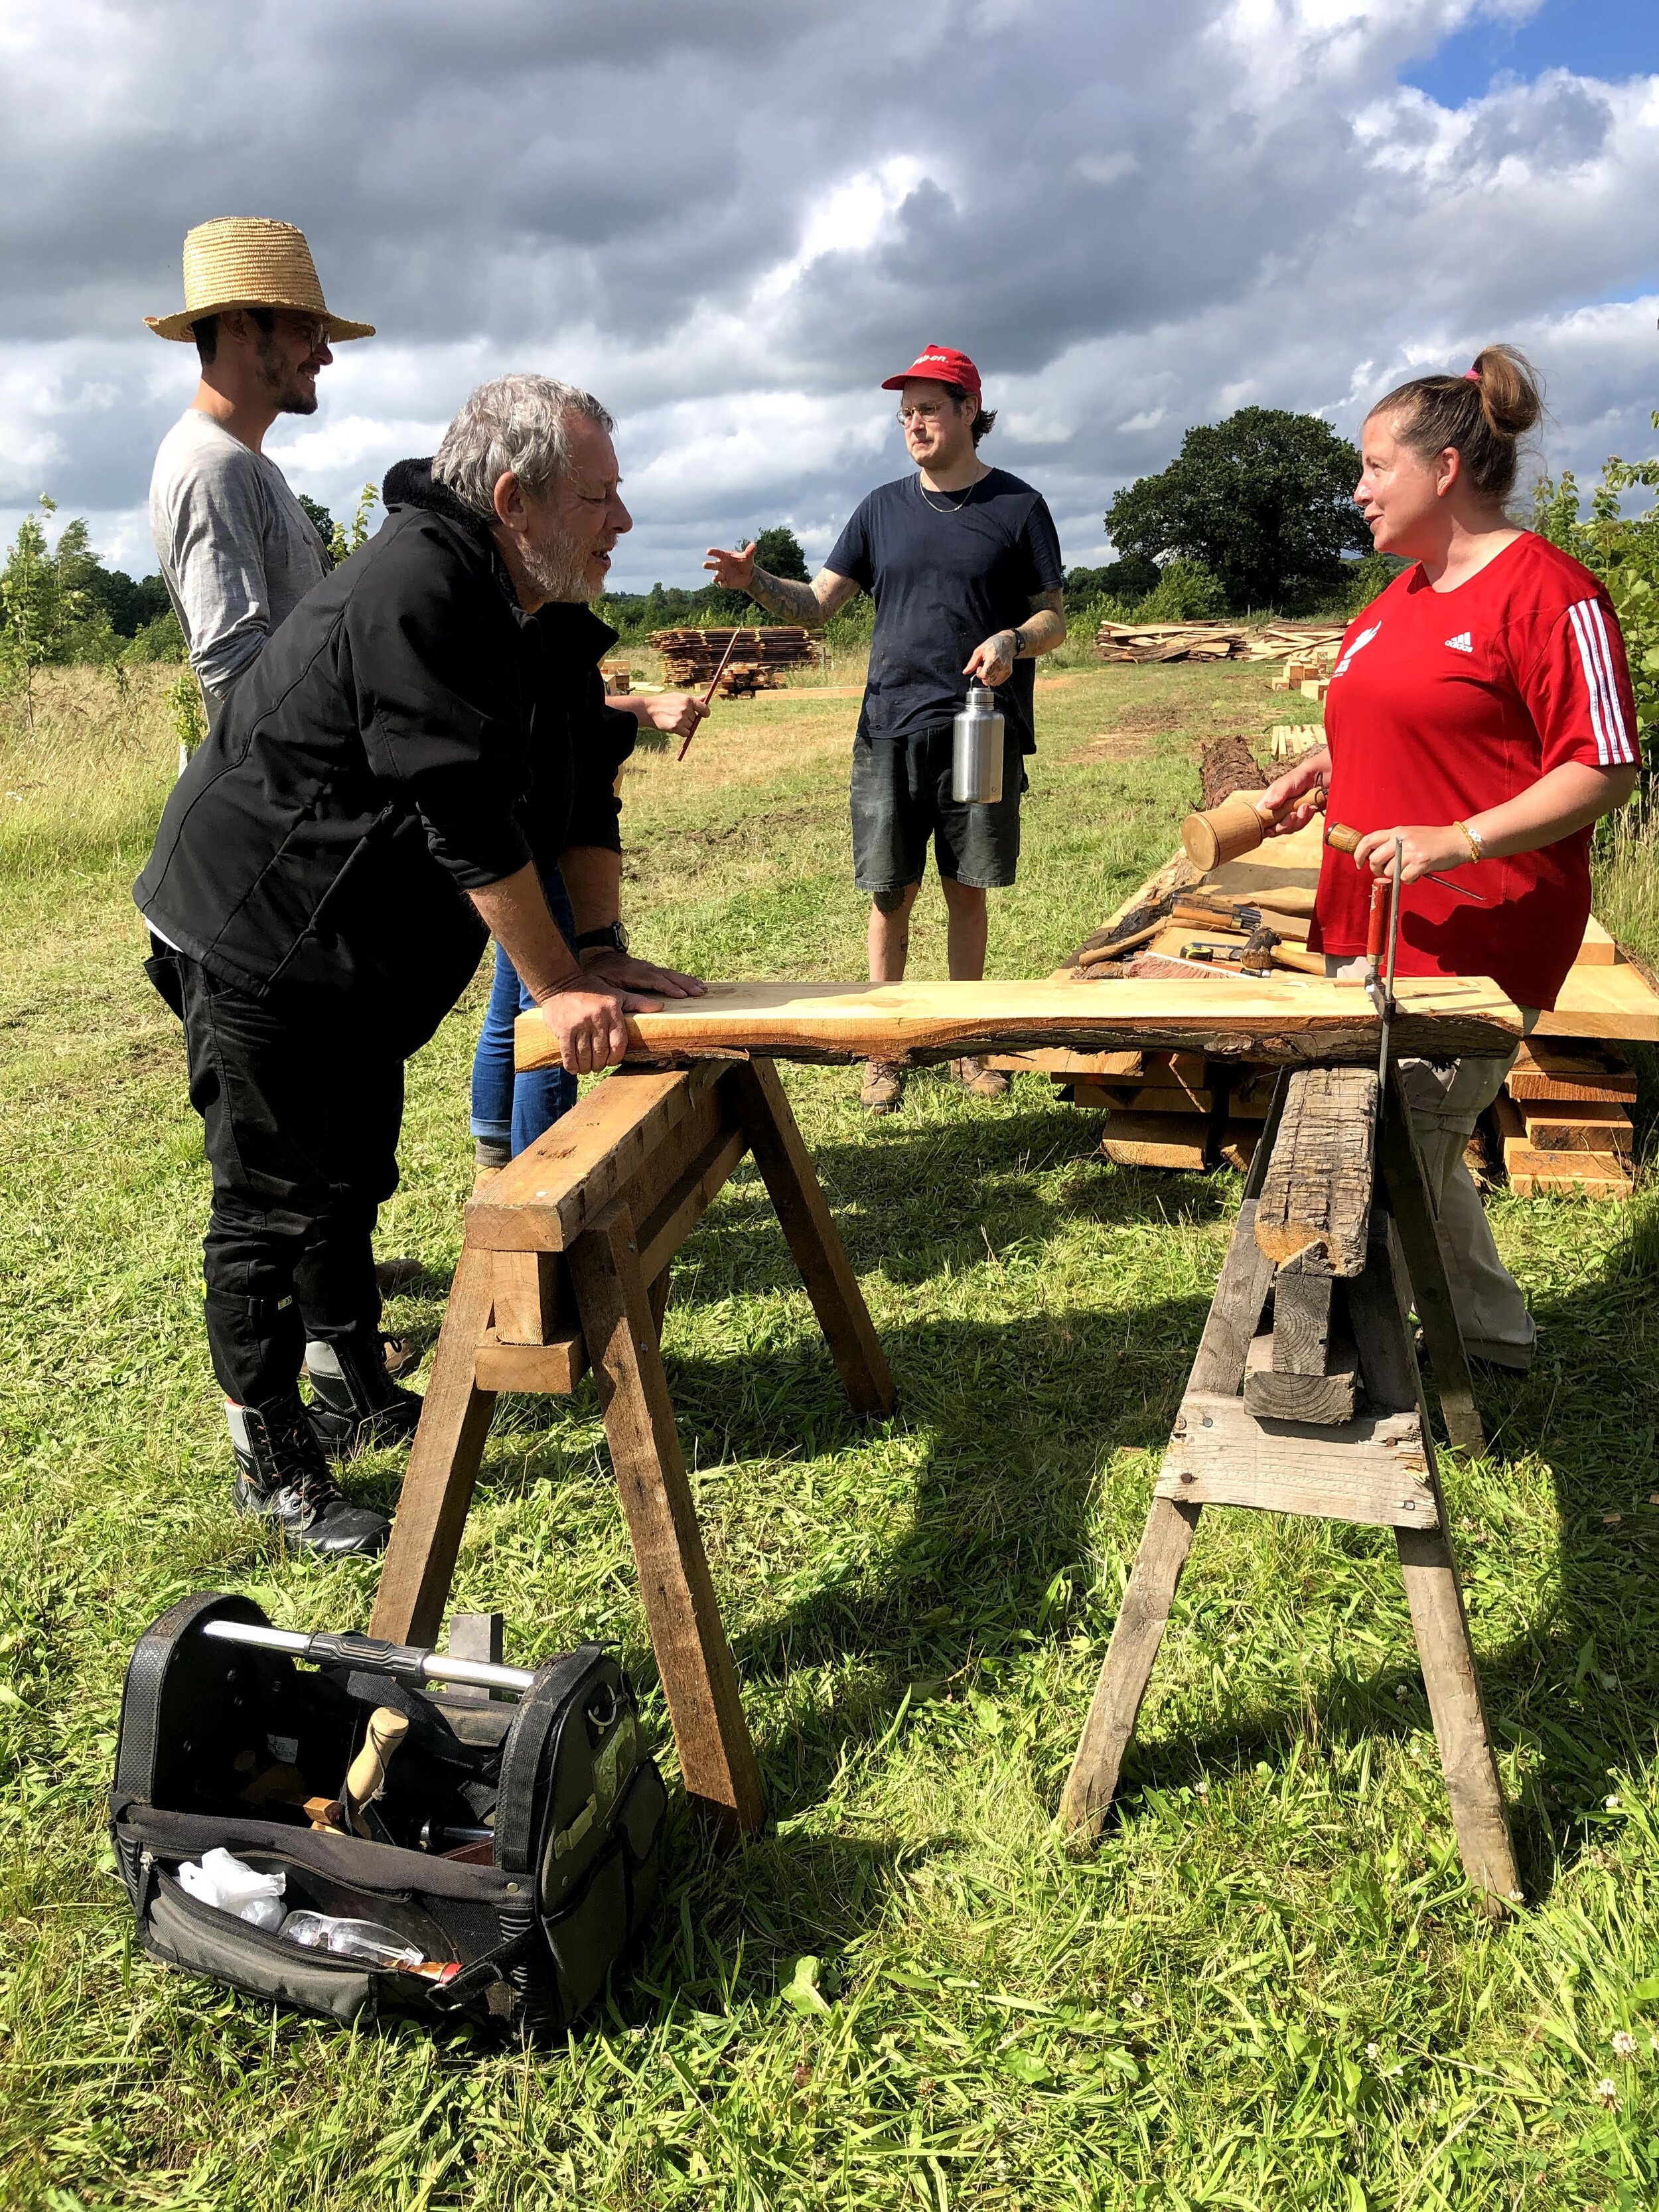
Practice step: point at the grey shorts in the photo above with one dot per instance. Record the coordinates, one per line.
(902, 797)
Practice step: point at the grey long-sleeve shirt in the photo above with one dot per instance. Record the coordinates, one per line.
(236, 550)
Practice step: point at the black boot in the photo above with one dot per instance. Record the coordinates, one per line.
(282, 1476)
(354, 1404)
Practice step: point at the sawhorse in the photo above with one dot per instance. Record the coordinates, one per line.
(565, 1266)
(1322, 1414)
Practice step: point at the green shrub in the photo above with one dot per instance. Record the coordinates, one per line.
(1186, 591)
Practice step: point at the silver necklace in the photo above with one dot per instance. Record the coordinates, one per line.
(960, 504)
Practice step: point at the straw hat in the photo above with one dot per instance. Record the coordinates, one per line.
(243, 261)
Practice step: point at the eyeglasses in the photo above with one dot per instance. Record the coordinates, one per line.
(928, 409)
(307, 327)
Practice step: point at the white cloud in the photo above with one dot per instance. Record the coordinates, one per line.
(731, 223)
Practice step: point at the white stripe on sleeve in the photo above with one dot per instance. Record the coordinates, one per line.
(1592, 679)
(1620, 744)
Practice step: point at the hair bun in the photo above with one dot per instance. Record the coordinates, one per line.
(1509, 397)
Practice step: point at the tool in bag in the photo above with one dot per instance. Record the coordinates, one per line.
(437, 1853)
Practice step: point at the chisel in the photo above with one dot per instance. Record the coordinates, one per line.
(1341, 839)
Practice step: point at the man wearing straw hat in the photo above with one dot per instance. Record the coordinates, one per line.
(238, 551)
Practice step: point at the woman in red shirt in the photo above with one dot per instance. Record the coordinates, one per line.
(1480, 712)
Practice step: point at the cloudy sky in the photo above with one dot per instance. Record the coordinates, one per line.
(731, 221)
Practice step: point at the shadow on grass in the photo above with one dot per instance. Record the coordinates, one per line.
(1055, 1393)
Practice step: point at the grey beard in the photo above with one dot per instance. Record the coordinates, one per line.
(557, 571)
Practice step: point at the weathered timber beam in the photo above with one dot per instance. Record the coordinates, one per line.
(1316, 1194)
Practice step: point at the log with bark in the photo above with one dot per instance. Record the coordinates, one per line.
(1296, 1021)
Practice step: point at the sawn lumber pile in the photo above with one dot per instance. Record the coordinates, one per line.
(1310, 651)
(690, 657)
(1563, 1124)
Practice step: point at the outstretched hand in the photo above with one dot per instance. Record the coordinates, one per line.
(733, 572)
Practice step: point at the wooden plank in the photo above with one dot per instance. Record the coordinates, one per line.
(672, 1221)
(1575, 1125)
(1373, 1469)
(1569, 1174)
(1447, 1658)
(1604, 1002)
(1168, 1140)
(532, 1299)
(1315, 1200)
(546, 1198)
(1580, 1070)
(554, 1368)
(717, 1758)
(1230, 1327)
(1327, 1398)
(1301, 1336)
(1412, 1208)
(1380, 1322)
(1138, 1629)
(443, 1465)
(1598, 949)
(1282, 1019)
(1084, 1064)
(759, 1101)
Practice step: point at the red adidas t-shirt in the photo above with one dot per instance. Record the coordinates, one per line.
(1445, 703)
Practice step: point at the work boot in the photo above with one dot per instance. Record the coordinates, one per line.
(978, 1080)
(884, 1086)
(400, 1353)
(281, 1477)
(354, 1404)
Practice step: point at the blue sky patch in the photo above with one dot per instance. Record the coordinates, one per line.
(1608, 38)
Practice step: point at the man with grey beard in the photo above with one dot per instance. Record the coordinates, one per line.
(421, 742)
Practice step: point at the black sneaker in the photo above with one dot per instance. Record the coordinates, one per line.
(354, 1404)
(282, 1476)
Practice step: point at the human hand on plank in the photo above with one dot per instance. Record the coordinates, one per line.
(620, 971)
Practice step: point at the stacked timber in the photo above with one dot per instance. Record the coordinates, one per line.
(1175, 1110)
(1302, 643)
(743, 678)
(1181, 641)
(1563, 1121)
(690, 657)
(1288, 741)
(617, 678)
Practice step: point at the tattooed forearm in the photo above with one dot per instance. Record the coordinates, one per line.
(1045, 629)
(812, 604)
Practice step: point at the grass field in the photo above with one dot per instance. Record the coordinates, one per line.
(1268, 1989)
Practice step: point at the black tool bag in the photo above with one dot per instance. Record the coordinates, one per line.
(221, 1745)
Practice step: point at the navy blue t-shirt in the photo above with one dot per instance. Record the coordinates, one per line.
(942, 582)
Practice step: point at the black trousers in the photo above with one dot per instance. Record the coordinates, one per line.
(302, 1109)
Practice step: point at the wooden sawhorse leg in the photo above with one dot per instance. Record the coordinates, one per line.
(1355, 1218)
(566, 1265)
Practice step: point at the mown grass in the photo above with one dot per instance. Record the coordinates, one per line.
(1266, 1988)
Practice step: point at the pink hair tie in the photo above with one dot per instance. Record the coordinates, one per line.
(1471, 376)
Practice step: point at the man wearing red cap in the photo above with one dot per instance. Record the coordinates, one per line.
(962, 562)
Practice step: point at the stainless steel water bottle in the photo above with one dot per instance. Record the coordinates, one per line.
(976, 750)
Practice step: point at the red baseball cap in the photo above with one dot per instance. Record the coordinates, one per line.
(943, 364)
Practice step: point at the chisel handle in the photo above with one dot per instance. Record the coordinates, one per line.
(1340, 838)
(366, 1776)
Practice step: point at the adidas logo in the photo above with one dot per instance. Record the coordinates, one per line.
(1462, 643)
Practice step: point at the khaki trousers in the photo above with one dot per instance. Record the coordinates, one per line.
(1447, 1098)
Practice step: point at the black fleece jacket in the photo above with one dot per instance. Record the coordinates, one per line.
(409, 734)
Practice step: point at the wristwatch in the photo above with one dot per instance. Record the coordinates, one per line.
(613, 937)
